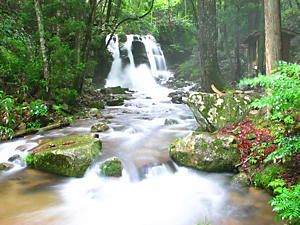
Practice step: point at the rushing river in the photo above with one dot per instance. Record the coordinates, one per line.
(152, 190)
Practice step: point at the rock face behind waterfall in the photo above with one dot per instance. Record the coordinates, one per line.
(206, 152)
(67, 156)
(214, 112)
(139, 53)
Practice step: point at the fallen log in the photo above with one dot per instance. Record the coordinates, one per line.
(29, 131)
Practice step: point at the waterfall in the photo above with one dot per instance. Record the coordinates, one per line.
(137, 64)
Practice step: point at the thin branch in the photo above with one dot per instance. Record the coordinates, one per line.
(129, 19)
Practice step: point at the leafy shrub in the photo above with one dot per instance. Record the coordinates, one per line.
(7, 105)
(287, 201)
(38, 109)
(65, 95)
(282, 95)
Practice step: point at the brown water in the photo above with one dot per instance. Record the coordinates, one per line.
(152, 191)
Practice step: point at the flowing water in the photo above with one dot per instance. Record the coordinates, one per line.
(152, 190)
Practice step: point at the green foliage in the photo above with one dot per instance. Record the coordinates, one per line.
(38, 109)
(287, 201)
(189, 69)
(286, 148)
(282, 97)
(7, 116)
(282, 91)
(6, 133)
(19, 62)
(267, 175)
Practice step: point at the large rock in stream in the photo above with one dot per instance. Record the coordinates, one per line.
(67, 156)
(213, 112)
(206, 152)
(112, 167)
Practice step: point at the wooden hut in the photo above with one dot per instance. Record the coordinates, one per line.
(255, 45)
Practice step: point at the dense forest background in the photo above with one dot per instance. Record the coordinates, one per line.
(74, 32)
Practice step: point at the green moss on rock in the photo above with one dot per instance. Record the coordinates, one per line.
(241, 179)
(205, 152)
(67, 156)
(99, 127)
(112, 167)
(214, 112)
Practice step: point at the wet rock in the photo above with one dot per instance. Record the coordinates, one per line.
(171, 122)
(241, 179)
(99, 127)
(178, 96)
(97, 104)
(112, 167)
(124, 56)
(214, 112)
(108, 117)
(67, 156)
(6, 166)
(94, 112)
(22, 148)
(115, 101)
(14, 157)
(115, 90)
(139, 53)
(206, 152)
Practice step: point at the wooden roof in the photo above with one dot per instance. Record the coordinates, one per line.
(256, 34)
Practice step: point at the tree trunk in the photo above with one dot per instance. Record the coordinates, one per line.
(273, 34)
(88, 32)
(39, 17)
(237, 42)
(261, 43)
(209, 67)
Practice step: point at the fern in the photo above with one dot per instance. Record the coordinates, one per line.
(287, 203)
(282, 96)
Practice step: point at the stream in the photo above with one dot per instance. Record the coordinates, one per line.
(152, 190)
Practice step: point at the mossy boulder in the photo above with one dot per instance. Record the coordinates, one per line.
(115, 100)
(115, 90)
(213, 112)
(241, 179)
(99, 127)
(169, 122)
(6, 166)
(206, 152)
(112, 167)
(94, 112)
(67, 156)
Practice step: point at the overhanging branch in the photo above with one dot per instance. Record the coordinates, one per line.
(128, 19)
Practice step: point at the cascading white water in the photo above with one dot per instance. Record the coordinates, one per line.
(141, 77)
(156, 58)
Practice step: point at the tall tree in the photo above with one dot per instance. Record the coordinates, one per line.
(208, 36)
(39, 17)
(272, 34)
(238, 68)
